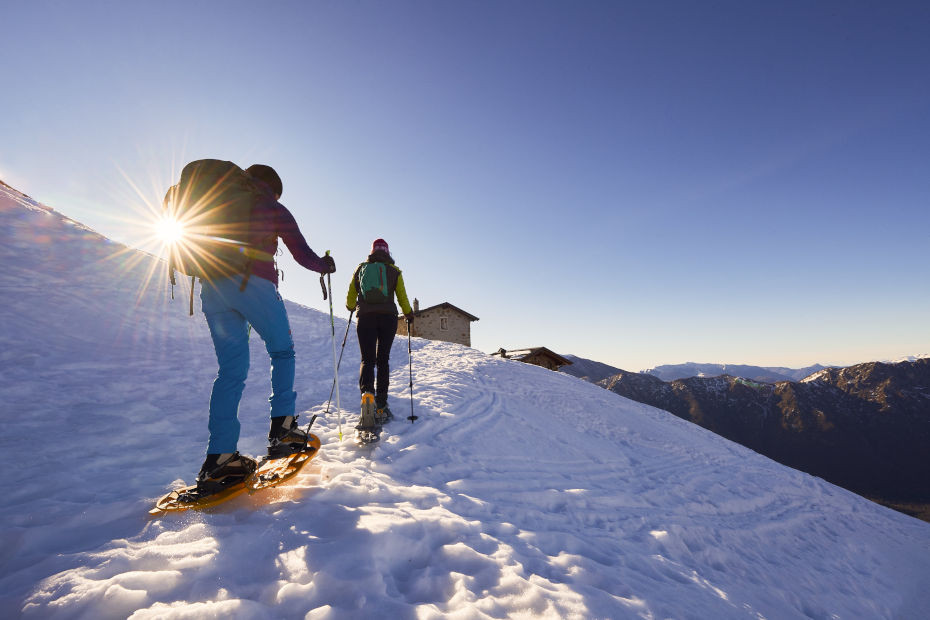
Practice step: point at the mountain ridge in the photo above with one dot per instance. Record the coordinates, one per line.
(864, 427)
(764, 374)
(594, 371)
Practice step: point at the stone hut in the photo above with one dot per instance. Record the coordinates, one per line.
(539, 356)
(443, 322)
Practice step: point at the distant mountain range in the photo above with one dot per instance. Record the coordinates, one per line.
(764, 374)
(865, 428)
(592, 371)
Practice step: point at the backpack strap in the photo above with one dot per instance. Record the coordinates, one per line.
(251, 254)
(246, 274)
(171, 280)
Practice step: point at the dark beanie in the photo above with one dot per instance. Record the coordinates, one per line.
(267, 175)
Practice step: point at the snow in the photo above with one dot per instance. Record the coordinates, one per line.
(519, 492)
(764, 374)
(817, 376)
(908, 358)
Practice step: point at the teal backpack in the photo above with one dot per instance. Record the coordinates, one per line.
(373, 283)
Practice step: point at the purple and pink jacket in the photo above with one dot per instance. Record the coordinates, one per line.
(270, 220)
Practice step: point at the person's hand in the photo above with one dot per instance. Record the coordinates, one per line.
(330, 264)
(409, 318)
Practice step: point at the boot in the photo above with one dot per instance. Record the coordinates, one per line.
(383, 415)
(285, 436)
(367, 421)
(220, 471)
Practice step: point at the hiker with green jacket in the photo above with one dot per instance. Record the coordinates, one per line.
(374, 285)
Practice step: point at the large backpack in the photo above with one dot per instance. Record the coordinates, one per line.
(213, 203)
(373, 283)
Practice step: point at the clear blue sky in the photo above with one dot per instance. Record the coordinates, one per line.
(638, 183)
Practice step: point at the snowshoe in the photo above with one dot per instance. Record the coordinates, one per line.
(270, 472)
(285, 436)
(274, 470)
(368, 430)
(222, 477)
(366, 436)
(192, 497)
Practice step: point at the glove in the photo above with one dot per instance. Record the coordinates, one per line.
(330, 264)
(409, 318)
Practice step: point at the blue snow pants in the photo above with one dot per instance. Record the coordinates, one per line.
(229, 313)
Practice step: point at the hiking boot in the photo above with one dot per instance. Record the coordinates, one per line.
(285, 436)
(383, 415)
(368, 419)
(220, 471)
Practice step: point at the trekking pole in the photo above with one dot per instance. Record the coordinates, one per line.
(339, 363)
(332, 324)
(410, 359)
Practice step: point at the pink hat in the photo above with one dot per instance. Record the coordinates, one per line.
(379, 244)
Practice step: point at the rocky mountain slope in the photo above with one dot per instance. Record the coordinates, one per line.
(865, 428)
(589, 370)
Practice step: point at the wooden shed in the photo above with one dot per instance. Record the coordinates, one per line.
(539, 356)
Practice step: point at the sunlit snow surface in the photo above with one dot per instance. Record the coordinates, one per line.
(518, 493)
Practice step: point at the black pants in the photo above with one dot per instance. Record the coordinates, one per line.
(375, 337)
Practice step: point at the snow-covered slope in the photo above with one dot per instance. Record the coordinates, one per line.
(518, 493)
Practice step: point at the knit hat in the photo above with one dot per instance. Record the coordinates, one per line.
(380, 244)
(267, 175)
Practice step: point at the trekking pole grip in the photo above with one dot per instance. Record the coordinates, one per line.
(323, 282)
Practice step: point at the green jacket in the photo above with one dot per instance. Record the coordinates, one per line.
(395, 286)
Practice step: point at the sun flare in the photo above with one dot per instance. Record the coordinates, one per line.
(170, 230)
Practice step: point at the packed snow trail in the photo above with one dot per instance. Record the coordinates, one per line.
(518, 492)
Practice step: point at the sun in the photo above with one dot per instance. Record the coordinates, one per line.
(170, 230)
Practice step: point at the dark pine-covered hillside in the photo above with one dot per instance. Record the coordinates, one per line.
(865, 428)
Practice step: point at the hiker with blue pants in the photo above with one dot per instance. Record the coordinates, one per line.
(230, 307)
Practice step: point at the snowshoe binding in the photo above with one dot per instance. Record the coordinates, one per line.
(285, 437)
(223, 471)
(368, 430)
